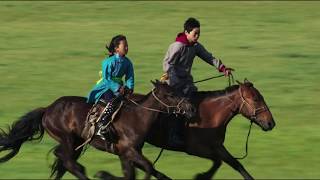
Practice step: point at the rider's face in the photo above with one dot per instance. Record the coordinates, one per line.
(122, 49)
(193, 35)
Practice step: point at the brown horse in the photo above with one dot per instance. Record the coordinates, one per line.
(65, 118)
(204, 137)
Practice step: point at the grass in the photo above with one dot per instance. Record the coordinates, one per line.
(50, 49)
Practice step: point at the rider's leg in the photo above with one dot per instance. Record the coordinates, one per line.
(108, 97)
(176, 132)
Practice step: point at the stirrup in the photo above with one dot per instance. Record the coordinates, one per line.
(101, 127)
(99, 133)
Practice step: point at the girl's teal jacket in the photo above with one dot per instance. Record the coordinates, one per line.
(113, 69)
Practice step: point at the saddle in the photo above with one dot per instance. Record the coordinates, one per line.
(95, 115)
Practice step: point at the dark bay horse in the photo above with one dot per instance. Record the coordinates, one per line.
(204, 137)
(65, 119)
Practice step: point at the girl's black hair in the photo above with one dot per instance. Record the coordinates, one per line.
(115, 41)
(190, 24)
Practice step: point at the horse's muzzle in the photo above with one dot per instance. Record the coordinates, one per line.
(267, 125)
(190, 112)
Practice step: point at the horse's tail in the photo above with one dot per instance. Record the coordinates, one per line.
(27, 128)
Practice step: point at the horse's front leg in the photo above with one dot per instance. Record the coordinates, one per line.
(160, 175)
(155, 173)
(104, 175)
(234, 163)
(127, 168)
(209, 174)
(143, 163)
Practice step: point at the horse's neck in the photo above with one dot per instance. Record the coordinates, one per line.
(148, 105)
(216, 108)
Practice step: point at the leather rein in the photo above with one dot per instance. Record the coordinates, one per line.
(177, 108)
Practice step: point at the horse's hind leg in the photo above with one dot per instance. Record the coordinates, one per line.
(58, 168)
(209, 174)
(68, 157)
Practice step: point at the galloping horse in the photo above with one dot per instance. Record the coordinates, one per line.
(204, 137)
(65, 119)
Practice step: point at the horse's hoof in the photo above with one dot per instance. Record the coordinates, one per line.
(103, 175)
(165, 178)
(202, 176)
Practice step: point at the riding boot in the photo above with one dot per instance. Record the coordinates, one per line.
(102, 123)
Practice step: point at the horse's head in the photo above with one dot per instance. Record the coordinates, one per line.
(172, 101)
(254, 107)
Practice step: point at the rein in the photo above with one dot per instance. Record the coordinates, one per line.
(208, 78)
(231, 79)
(168, 106)
(247, 142)
(161, 102)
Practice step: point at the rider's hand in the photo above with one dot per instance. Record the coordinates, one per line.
(125, 91)
(129, 91)
(121, 90)
(228, 71)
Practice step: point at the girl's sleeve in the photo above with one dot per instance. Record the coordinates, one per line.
(130, 76)
(107, 70)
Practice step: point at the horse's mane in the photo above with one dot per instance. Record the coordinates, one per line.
(139, 100)
(216, 93)
(144, 97)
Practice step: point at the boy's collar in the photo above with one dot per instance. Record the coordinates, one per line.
(182, 37)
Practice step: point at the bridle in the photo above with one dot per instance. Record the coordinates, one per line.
(253, 117)
(176, 109)
(255, 111)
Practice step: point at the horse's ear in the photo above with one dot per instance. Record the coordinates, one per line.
(240, 83)
(154, 83)
(247, 82)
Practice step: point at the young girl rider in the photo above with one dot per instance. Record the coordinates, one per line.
(110, 85)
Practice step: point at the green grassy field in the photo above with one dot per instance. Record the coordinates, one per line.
(52, 49)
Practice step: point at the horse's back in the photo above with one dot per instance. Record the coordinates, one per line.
(67, 114)
(71, 99)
